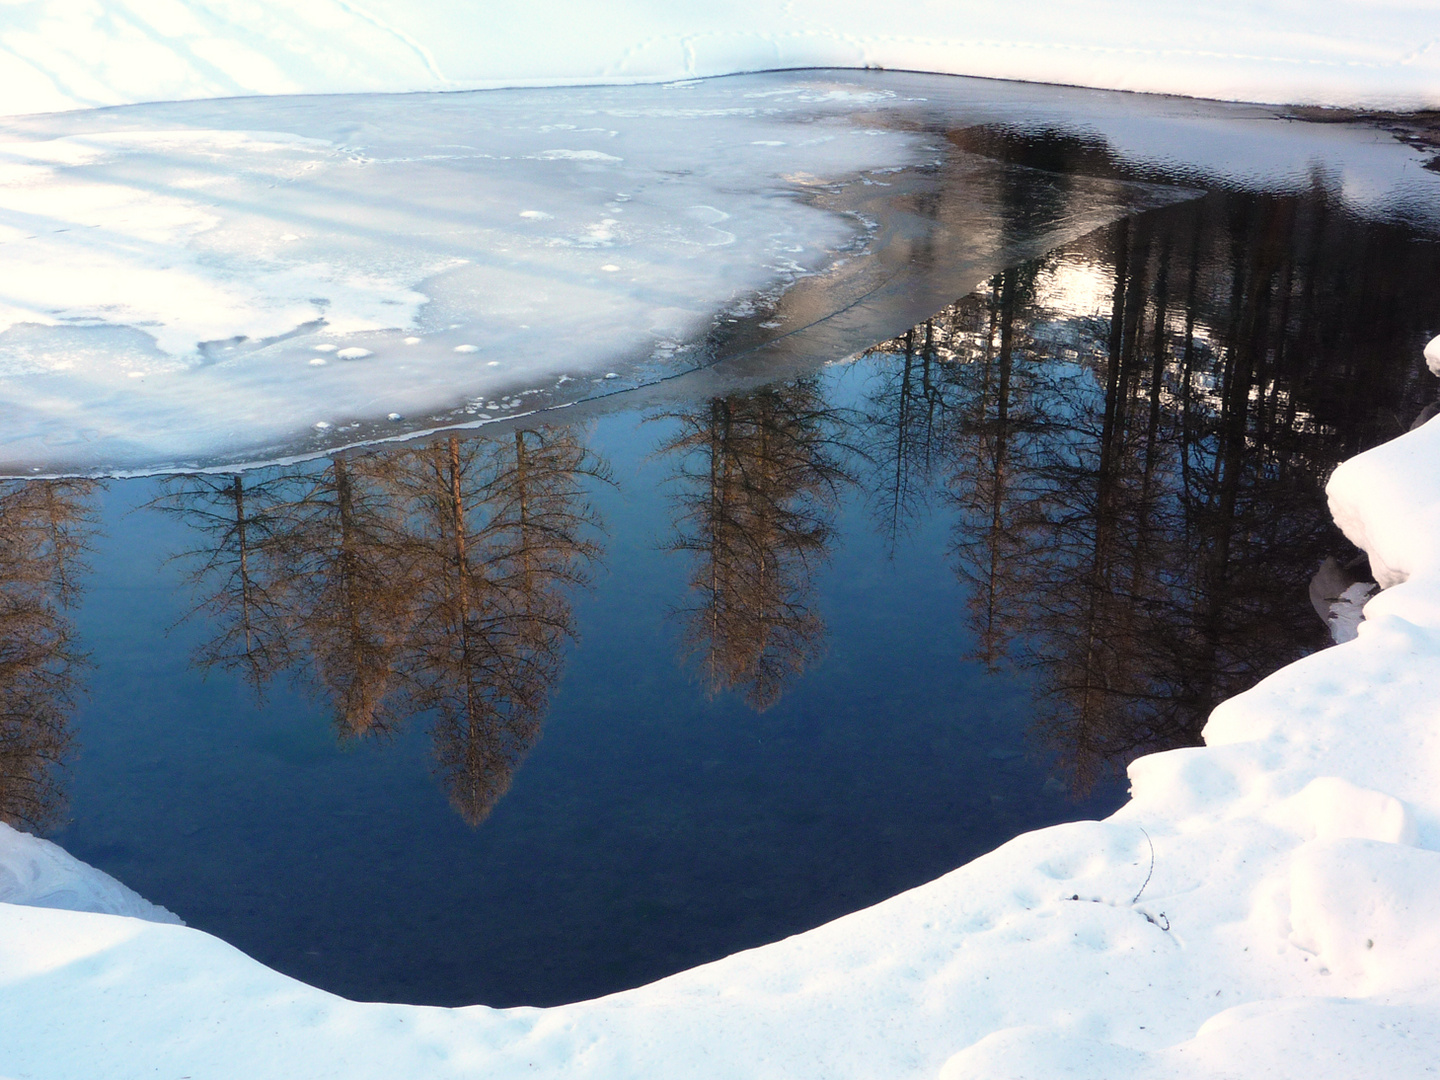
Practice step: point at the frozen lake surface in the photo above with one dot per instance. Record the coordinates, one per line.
(554, 706)
(201, 283)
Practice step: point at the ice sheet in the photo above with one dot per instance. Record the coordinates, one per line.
(213, 280)
(202, 283)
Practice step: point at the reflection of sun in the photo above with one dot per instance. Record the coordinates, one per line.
(1076, 287)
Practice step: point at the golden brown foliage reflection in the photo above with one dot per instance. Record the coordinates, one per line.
(755, 480)
(45, 530)
(432, 578)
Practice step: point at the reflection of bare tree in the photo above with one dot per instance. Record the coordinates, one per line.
(348, 585)
(45, 528)
(407, 580)
(238, 519)
(1137, 479)
(501, 537)
(756, 479)
(904, 415)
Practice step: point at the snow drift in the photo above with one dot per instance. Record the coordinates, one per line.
(37, 873)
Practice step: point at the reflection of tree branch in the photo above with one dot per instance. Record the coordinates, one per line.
(45, 529)
(756, 480)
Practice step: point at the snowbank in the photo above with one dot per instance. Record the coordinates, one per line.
(64, 54)
(37, 873)
(1267, 905)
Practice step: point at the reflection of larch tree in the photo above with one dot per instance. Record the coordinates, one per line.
(348, 587)
(406, 580)
(1137, 488)
(996, 424)
(235, 569)
(45, 529)
(501, 534)
(755, 482)
(903, 416)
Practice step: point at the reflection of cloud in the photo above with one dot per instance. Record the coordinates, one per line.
(1075, 287)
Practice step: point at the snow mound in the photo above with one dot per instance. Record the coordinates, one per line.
(62, 54)
(37, 873)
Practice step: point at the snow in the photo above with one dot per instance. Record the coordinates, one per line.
(37, 873)
(1265, 905)
(62, 54)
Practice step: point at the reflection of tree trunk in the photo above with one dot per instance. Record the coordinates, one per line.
(237, 489)
(1158, 355)
(999, 447)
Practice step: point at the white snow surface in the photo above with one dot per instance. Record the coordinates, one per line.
(1289, 926)
(62, 54)
(37, 873)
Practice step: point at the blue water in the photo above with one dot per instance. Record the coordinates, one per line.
(652, 827)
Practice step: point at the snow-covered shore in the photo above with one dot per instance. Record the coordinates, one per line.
(1290, 925)
(65, 54)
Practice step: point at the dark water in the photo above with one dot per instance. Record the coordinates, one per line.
(542, 714)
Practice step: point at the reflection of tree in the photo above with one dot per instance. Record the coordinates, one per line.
(234, 570)
(1137, 479)
(756, 478)
(901, 421)
(500, 538)
(45, 528)
(348, 585)
(407, 580)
